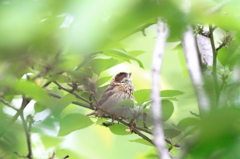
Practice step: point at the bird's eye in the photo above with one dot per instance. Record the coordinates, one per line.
(125, 75)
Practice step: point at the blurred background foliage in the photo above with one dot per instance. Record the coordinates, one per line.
(81, 44)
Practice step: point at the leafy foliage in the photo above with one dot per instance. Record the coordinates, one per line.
(57, 58)
(73, 122)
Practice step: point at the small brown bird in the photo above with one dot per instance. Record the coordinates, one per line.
(120, 88)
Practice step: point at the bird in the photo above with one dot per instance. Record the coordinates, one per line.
(120, 88)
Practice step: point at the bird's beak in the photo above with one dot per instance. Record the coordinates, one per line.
(129, 74)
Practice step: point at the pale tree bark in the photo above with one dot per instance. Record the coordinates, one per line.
(192, 59)
(158, 134)
(205, 49)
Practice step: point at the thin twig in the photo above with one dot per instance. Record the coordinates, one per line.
(156, 107)
(20, 155)
(27, 132)
(194, 114)
(8, 104)
(52, 156)
(142, 135)
(69, 91)
(67, 156)
(167, 140)
(220, 46)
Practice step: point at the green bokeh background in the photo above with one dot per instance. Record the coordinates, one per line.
(33, 32)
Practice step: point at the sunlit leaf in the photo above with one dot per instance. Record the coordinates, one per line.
(102, 80)
(50, 141)
(38, 107)
(63, 103)
(121, 54)
(186, 122)
(142, 95)
(136, 53)
(171, 133)
(34, 91)
(119, 129)
(225, 54)
(100, 65)
(170, 93)
(167, 109)
(142, 141)
(73, 122)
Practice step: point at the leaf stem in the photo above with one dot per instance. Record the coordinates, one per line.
(214, 71)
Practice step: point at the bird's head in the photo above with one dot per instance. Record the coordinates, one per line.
(123, 77)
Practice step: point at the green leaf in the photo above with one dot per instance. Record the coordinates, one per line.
(73, 122)
(142, 95)
(119, 129)
(121, 54)
(170, 93)
(38, 107)
(136, 53)
(187, 122)
(60, 78)
(227, 55)
(34, 91)
(141, 141)
(100, 65)
(63, 103)
(50, 141)
(171, 133)
(127, 103)
(102, 81)
(167, 109)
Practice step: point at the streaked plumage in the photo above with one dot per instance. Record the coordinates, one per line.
(120, 88)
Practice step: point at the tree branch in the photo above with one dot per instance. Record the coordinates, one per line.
(14, 118)
(119, 120)
(27, 132)
(191, 55)
(214, 72)
(156, 107)
(74, 102)
(8, 104)
(20, 155)
(220, 46)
